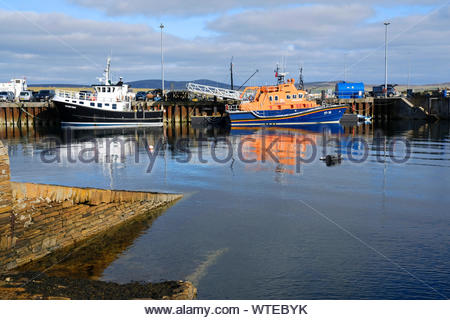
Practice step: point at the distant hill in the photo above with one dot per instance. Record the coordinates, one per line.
(147, 84)
(181, 85)
(174, 85)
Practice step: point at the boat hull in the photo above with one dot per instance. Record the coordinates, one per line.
(288, 117)
(74, 115)
(203, 121)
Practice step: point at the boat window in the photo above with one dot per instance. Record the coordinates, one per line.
(114, 106)
(113, 89)
(294, 96)
(271, 98)
(99, 104)
(103, 89)
(249, 95)
(288, 96)
(109, 90)
(81, 102)
(300, 95)
(106, 104)
(276, 98)
(92, 104)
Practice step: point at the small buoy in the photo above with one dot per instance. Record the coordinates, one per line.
(331, 159)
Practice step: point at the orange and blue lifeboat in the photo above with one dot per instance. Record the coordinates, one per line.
(283, 105)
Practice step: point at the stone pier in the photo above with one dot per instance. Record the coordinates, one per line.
(37, 219)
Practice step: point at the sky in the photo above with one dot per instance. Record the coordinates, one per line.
(68, 41)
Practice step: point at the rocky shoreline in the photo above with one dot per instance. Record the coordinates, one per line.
(38, 286)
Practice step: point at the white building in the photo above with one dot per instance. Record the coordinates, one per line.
(15, 86)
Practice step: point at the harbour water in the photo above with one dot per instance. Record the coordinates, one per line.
(263, 217)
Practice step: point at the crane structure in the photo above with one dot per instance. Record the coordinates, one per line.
(214, 91)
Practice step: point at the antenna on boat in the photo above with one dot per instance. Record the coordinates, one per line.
(301, 84)
(231, 70)
(279, 75)
(106, 73)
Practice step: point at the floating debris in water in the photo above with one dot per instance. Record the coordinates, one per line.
(332, 160)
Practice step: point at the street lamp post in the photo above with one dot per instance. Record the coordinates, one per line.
(162, 63)
(386, 24)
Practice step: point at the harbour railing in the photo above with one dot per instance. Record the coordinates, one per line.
(214, 91)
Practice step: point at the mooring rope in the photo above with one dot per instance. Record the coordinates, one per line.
(21, 108)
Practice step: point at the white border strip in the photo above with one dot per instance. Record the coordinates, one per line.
(198, 309)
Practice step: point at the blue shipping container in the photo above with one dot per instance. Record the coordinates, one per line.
(348, 90)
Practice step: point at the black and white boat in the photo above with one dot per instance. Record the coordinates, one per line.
(109, 106)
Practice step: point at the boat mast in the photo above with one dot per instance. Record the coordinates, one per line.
(107, 71)
(231, 70)
(248, 79)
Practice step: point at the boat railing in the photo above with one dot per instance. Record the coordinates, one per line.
(233, 107)
(74, 95)
(88, 96)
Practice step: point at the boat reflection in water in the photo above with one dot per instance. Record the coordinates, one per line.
(104, 146)
(288, 147)
(97, 151)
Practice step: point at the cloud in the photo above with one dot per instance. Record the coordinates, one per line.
(173, 7)
(202, 7)
(56, 47)
(325, 35)
(315, 23)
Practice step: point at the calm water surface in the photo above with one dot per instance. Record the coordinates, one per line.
(270, 229)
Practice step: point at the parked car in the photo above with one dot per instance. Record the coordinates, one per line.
(26, 96)
(378, 91)
(6, 96)
(45, 95)
(34, 93)
(141, 96)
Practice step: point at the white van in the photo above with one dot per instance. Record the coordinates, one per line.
(26, 96)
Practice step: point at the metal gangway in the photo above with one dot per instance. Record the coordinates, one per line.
(214, 91)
